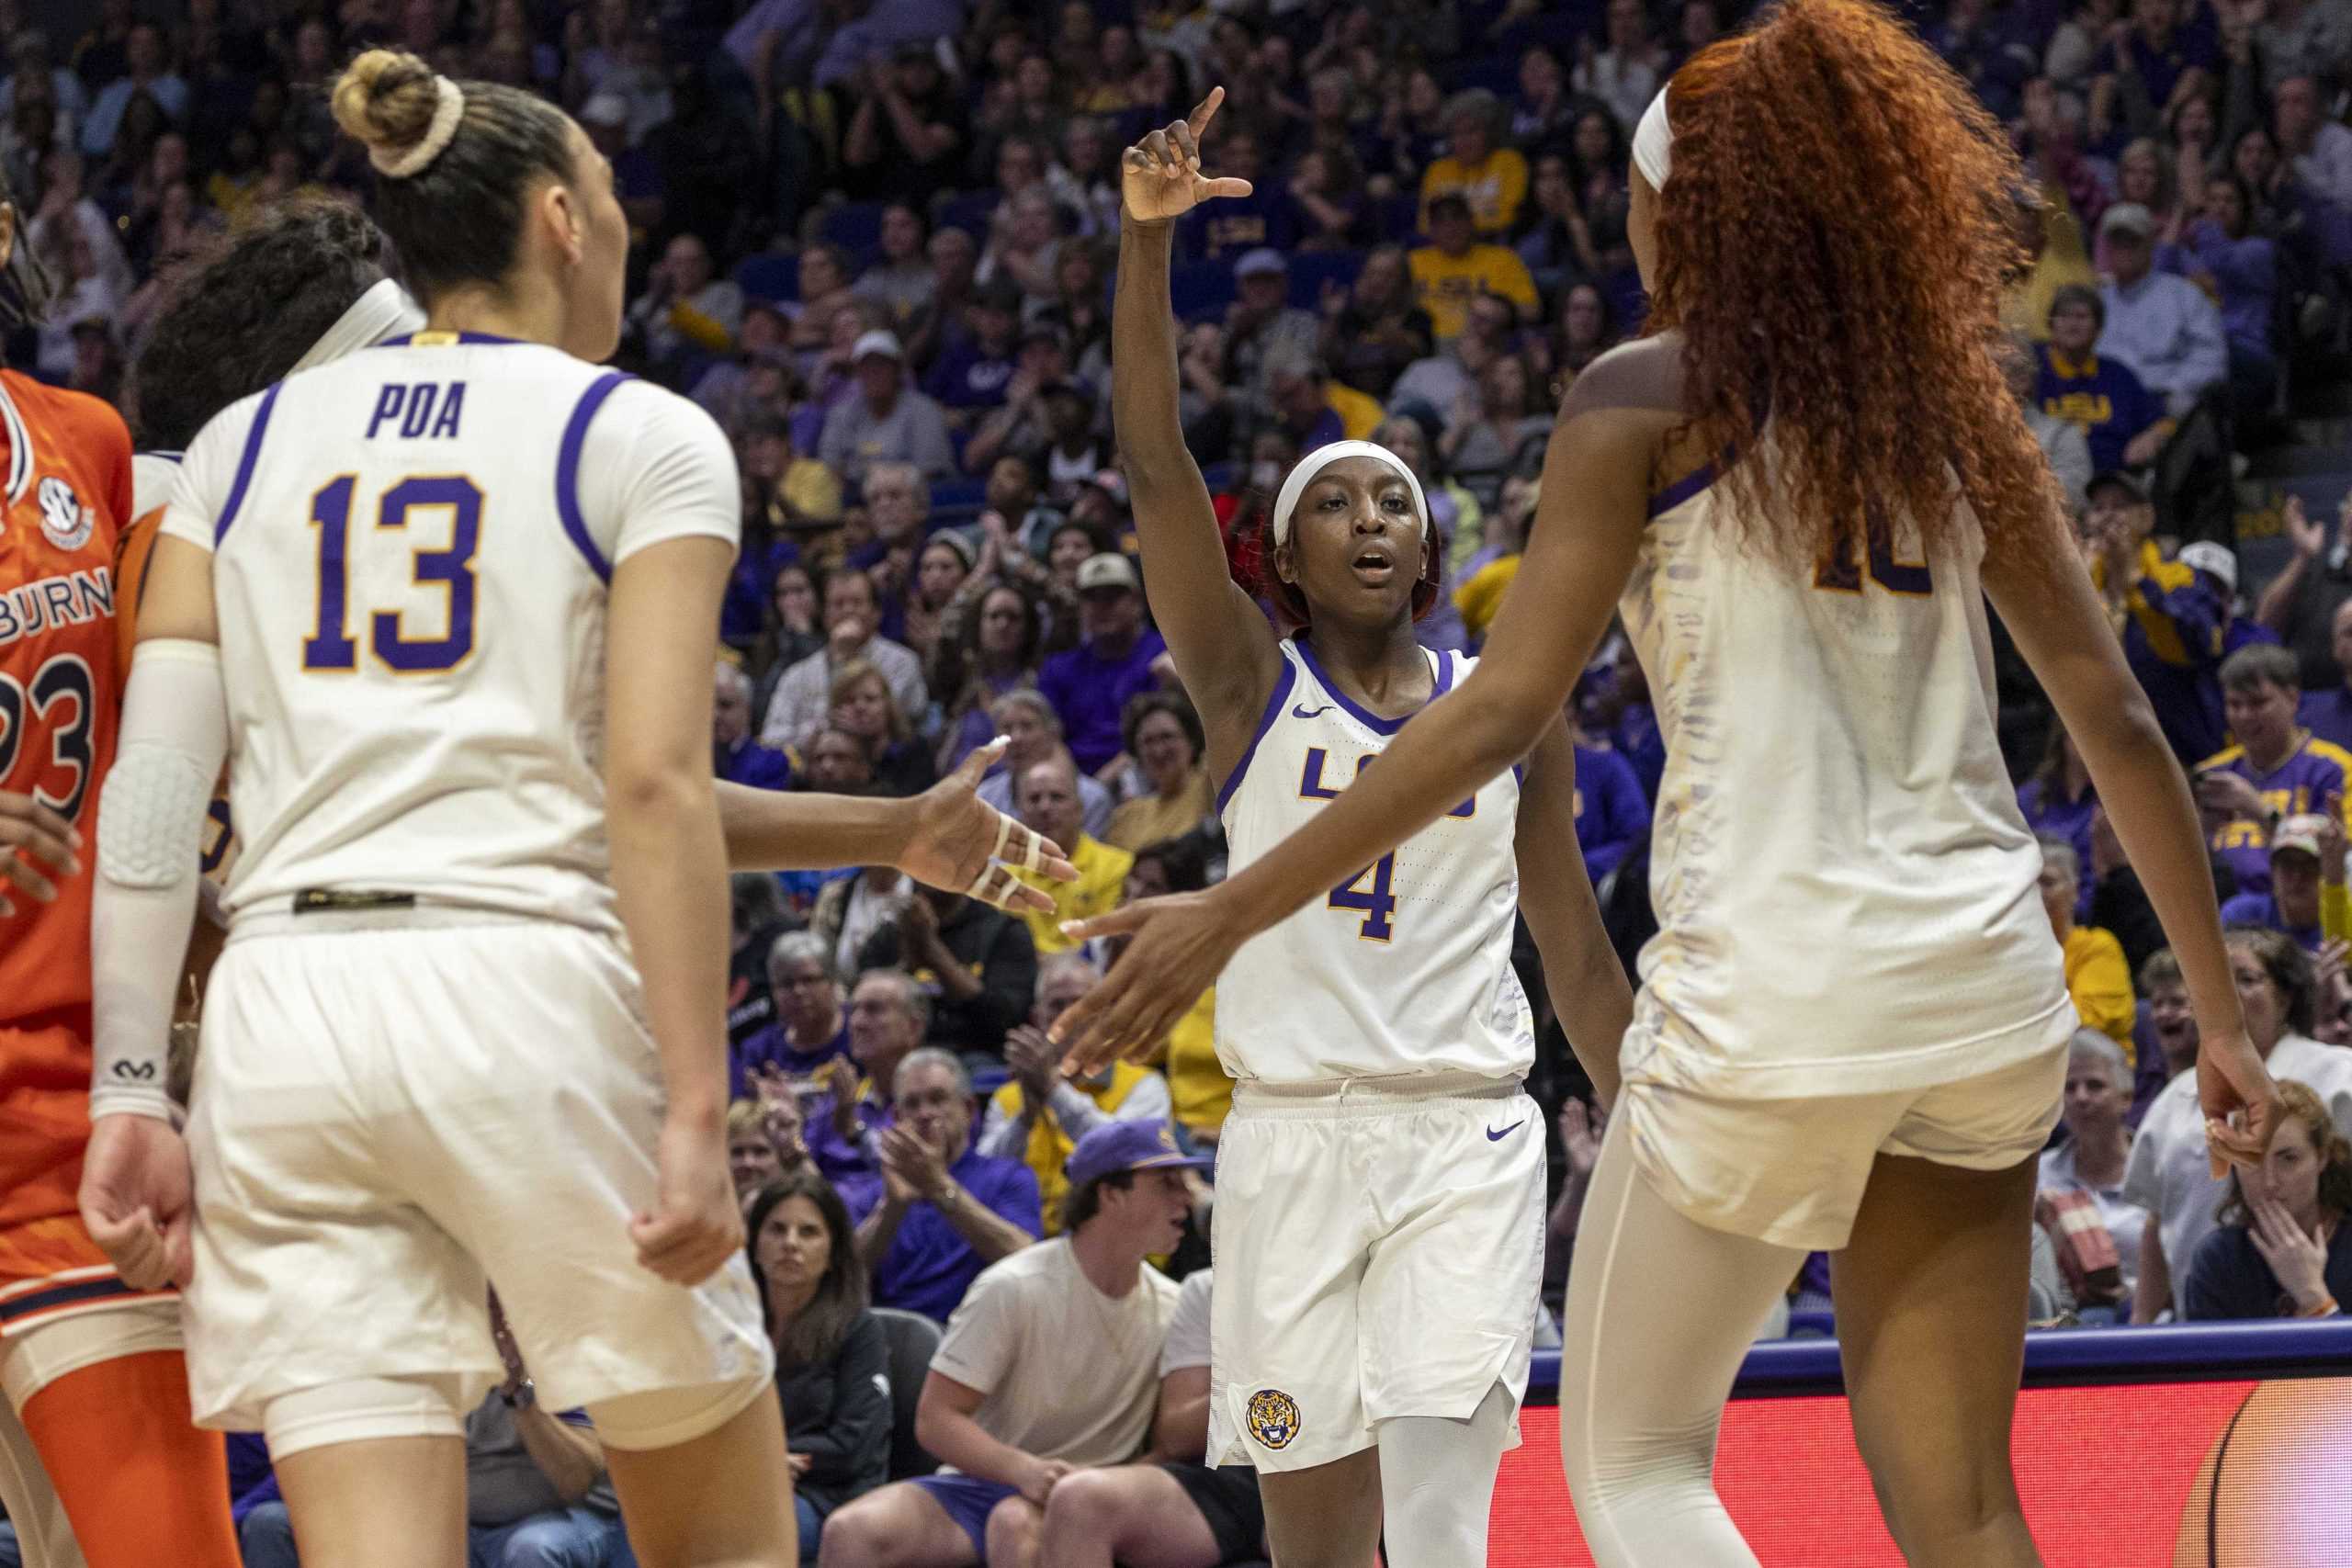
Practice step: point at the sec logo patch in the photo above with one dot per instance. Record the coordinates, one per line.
(1273, 1417)
(67, 523)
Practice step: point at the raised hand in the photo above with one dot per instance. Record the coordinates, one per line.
(1179, 944)
(1160, 177)
(2307, 536)
(2297, 1257)
(962, 844)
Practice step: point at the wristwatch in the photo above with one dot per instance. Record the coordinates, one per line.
(525, 1395)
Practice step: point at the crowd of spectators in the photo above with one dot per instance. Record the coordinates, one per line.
(875, 238)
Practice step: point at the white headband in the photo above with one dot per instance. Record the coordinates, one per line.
(1654, 143)
(447, 110)
(385, 309)
(1323, 457)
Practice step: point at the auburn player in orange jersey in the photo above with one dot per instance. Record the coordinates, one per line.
(292, 289)
(95, 1427)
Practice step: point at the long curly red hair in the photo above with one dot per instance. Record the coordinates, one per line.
(1833, 243)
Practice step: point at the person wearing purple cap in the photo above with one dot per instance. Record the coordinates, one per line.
(1050, 1366)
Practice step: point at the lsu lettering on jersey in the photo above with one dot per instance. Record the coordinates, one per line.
(1845, 889)
(412, 548)
(67, 497)
(1405, 969)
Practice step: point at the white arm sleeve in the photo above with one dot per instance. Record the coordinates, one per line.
(659, 468)
(174, 738)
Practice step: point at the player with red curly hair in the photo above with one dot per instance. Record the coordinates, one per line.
(1799, 489)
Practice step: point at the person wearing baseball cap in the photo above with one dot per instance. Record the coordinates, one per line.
(887, 421)
(2163, 326)
(1049, 1369)
(1091, 684)
(2170, 620)
(2306, 875)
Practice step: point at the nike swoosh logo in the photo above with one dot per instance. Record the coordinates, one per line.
(1495, 1137)
(1303, 711)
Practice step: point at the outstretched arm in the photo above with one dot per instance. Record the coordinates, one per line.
(1596, 502)
(1587, 986)
(1224, 650)
(2044, 597)
(947, 837)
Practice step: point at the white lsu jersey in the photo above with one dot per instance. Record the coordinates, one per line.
(1844, 887)
(1404, 970)
(412, 548)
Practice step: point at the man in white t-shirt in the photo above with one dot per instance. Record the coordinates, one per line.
(2170, 1174)
(1171, 1511)
(1050, 1366)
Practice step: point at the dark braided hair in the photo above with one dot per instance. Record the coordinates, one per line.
(242, 309)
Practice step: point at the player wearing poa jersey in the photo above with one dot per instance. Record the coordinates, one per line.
(466, 762)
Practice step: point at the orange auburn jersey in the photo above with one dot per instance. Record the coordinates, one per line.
(67, 497)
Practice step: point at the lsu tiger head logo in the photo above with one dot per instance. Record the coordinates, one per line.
(1273, 1417)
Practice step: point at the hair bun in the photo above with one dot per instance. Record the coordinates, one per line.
(395, 105)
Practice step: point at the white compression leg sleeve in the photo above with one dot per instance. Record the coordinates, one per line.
(173, 737)
(1660, 1312)
(1436, 1483)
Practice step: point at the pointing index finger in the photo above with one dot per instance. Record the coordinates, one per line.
(1205, 111)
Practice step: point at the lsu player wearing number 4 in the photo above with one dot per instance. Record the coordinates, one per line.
(1380, 1183)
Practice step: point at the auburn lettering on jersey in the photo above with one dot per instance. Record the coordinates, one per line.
(67, 496)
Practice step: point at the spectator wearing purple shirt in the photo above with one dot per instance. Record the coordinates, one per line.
(737, 755)
(2244, 269)
(810, 1029)
(888, 1015)
(2059, 801)
(1612, 816)
(1090, 685)
(2138, 77)
(2328, 713)
(2298, 853)
(2277, 770)
(972, 376)
(942, 1211)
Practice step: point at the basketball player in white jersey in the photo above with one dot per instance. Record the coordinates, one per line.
(449, 606)
(1380, 1183)
(1852, 1035)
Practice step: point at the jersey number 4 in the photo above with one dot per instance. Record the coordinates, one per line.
(60, 697)
(1376, 903)
(332, 646)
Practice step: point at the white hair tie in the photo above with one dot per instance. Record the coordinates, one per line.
(1654, 143)
(446, 112)
(1322, 457)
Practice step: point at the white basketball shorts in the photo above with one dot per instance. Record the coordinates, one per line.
(1379, 1248)
(390, 1118)
(1793, 1171)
